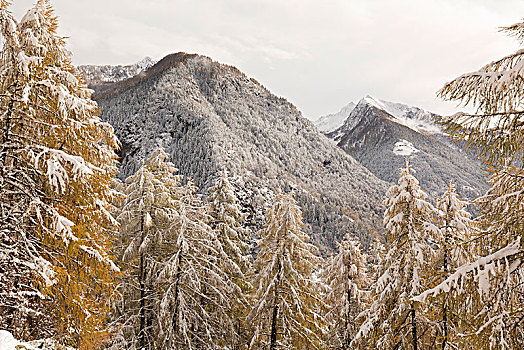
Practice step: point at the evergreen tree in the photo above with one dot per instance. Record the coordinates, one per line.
(393, 320)
(145, 217)
(345, 276)
(495, 134)
(57, 164)
(226, 221)
(286, 312)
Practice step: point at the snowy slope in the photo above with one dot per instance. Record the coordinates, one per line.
(210, 116)
(331, 122)
(8, 342)
(413, 117)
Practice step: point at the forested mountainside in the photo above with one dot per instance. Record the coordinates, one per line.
(210, 116)
(372, 129)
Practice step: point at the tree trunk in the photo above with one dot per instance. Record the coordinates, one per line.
(414, 328)
(141, 281)
(174, 319)
(274, 318)
(273, 344)
(446, 272)
(346, 330)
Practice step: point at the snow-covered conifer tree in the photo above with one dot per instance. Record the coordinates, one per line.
(195, 304)
(145, 217)
(57, 164)
(495, 133)
(286, 312)
(226, 221)
(393, 320)
(375, 254)
(453, 250)
(345, 275)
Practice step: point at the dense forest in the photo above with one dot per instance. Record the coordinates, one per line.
(91, 261)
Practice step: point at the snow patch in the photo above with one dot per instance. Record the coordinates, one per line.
(7, 341)
(404, 148)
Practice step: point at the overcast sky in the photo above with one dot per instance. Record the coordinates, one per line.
(319, 54)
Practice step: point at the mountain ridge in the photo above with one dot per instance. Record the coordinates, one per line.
(413, 117)
(209, 116)
(370, 133)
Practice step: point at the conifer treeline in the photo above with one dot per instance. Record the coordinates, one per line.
(187, 277)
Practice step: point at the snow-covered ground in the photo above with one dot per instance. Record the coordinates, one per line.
(8, 342)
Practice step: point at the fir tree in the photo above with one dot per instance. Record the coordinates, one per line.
(226, 221)
(393, 319)
(286, 312)
(345, 275)
(57, 164)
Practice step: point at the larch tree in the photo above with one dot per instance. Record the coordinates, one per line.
(495, 133)
(287, 312)
(345, 275)
(454, 249)
(196, 293)
(375, 254)
(393, 320)
(227, 221)
(145, 216)
(57, 167)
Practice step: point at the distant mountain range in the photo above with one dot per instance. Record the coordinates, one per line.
(101, 77)
(369, 130)
(210, 116)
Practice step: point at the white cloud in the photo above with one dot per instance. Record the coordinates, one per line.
(318, 54)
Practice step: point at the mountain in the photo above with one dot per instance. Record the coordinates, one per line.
(331, 122)
(413, 117)
(374, 127)
(101, 77)
(210, 116)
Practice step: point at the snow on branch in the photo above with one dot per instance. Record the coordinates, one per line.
(95, 253)
(56, 173)
(487, 263)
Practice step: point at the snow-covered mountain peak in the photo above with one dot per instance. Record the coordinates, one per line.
(145, 63)
(331, 122)
(373, 101)
(379, 134)
(413, 117)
